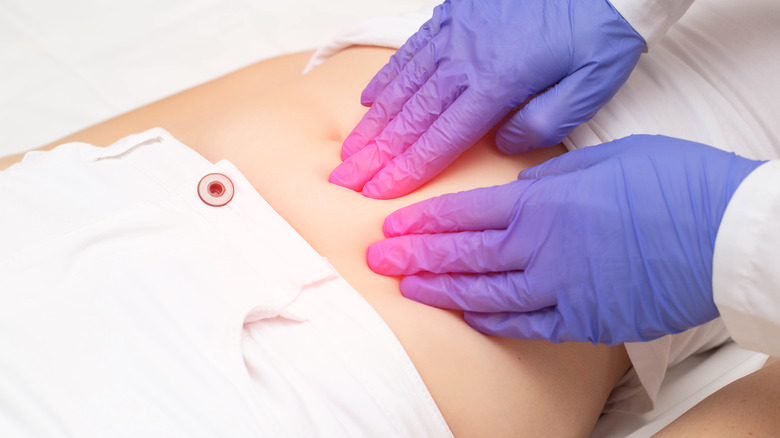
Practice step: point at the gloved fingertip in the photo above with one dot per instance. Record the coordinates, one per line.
(539, 124)
(367, 99)
(369, 94)
(511, 143)
(532, 172)
(350, 145)
(343, 175)
(390, 226)
(409, 288)
(431, 290)
(480, 322)
(373, 258)
(383, 259)
(379, 188)
(369, 192)
(358, 138)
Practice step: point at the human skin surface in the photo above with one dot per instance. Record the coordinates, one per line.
(284, 131)
(745, 407)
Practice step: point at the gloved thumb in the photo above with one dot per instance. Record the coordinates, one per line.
(550, 116)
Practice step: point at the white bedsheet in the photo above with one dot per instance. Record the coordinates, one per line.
(67, 65)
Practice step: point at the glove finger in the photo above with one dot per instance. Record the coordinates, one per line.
(486, 208)
(392, 102)
(552, 115)
(491, 292)
(465, 252)
(400, 59)
(419, 113)
(544, 324)
(457, 129)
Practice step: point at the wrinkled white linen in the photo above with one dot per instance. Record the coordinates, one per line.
(129, 308)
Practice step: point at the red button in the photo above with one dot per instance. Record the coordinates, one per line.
(215, 189)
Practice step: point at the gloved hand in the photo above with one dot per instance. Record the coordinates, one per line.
(607, 244)
(467, 68)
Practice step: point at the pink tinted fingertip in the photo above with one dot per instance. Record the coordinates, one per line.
(373, 122)
(344, 175)
(391, 226)
(370, 190)
(353, 143)
(373, 259)
(383, 258)
(385, 185)
(359, 168)
(411, 219)
(369, 94)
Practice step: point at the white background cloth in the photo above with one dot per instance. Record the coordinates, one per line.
(651, 18)
(747, 253)
(68, 65)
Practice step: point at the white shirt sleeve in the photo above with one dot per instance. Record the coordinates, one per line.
(651, 18)
(746, 274)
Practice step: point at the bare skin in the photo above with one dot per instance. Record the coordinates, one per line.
(284, 131)
(743, 408)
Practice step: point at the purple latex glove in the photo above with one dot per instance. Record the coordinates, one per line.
(607, 244)
(467, 68)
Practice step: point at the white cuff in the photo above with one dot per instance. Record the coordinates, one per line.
(651, 18)
(746, 278)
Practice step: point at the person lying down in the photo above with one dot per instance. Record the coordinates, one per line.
(203, 278)
(143, 299)
(134, 304)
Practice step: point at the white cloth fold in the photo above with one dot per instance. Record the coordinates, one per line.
(130, 307)
(651, 18)
(746, 278)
